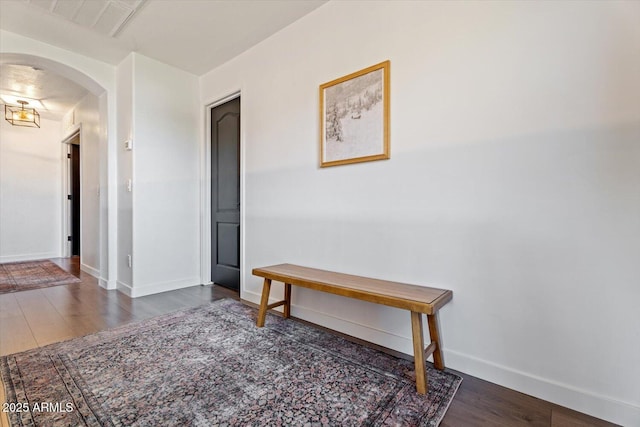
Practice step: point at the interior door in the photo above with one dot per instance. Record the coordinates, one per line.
(225, 194)
(74, 197)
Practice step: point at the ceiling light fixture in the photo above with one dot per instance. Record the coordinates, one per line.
(20, 116)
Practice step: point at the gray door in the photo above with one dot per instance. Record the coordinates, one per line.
(225, 194)
(74, 196)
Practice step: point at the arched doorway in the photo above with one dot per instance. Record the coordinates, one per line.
(98, 109)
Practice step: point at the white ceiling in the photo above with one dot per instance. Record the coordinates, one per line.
(57, 94)
(193, 35)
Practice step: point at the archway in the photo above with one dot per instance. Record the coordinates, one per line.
(105, 206)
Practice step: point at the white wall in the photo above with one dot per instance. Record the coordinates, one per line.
(167, 177)
(513, 181)
(161, 114)
(124, 77)
(30, 192)
(105, 209)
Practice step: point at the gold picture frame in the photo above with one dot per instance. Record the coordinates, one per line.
(354, 117)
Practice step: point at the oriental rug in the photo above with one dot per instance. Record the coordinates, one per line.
(211, 366)
(27, 275)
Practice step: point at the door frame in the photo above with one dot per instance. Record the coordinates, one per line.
(74, 131)
(205, 192)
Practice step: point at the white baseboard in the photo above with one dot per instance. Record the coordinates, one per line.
(606, 408)
(585, 401)
(124, 288)
(156, 288)
(107, 284)
(28, 257)
(103, 283)
(90, 270)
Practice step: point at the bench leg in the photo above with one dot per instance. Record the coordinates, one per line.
(264, 302)
(434, 333)
(287, 300)
(418, 352)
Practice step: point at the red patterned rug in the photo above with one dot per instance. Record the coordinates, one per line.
(211, 366)
(24, 276)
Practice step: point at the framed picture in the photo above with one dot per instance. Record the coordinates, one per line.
(354, 117)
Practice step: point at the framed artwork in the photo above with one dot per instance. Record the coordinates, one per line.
(354, 117)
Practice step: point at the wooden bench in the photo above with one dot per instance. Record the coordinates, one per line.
(417, 299)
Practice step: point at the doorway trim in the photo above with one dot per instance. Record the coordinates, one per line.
(75, 130)
(205, 191)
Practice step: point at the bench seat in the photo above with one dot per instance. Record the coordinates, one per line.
(417, 299)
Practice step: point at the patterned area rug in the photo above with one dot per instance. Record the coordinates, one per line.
(24, 276)
(212, 366)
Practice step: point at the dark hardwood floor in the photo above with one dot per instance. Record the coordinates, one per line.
(39, 317)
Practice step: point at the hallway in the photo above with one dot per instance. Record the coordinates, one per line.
(39, 317)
